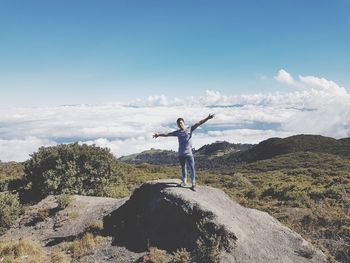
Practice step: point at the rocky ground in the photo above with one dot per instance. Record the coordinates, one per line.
(163, 215)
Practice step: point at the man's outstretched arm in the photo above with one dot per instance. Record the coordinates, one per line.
(156, 135)
(195, 126)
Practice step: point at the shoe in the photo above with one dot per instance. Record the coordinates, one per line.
(182, 184)
(194, 188)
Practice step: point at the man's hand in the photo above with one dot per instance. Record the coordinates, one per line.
(210, 116)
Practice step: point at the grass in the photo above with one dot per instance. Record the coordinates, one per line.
(309, 192)
(22, 251)
(63, 201)
(84, 246)
(28, 251)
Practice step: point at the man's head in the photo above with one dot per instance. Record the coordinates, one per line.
(181, 123)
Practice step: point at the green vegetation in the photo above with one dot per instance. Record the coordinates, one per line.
(181, 256)
(156, 255)
(209, 246)
(307, 191)
(152, 156)
(9, 210)
(72, 169)
(303, 181)
(11, 175)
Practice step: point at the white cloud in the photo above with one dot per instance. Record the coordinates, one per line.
(320, 107)
(310, 83)
(323, 84)
(19, 149)
(285, 77)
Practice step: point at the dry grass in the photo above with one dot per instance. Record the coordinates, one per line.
(22, 251)
(43, 213)
(59, 257)
(83, 246)
(96, 227)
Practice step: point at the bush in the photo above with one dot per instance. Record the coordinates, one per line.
(181, 256)
(156, 255)
(63, 201)
(9, 210)
(209, 245)
(72, 169)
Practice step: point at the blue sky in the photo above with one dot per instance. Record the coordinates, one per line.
(112, 73)
(68, 52)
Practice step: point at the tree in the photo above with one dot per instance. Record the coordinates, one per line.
(72, 169)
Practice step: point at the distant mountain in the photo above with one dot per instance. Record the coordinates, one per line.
(220, 148)
(209, 151)
(298, 143)
(222, 154)
(152, 156)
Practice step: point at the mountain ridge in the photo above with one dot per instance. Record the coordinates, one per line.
(230, 154)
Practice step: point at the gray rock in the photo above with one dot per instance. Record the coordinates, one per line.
(161, 214)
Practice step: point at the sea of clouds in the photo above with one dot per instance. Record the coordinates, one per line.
(317, 106)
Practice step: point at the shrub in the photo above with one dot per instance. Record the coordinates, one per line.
(209, 245)
(181, 256)
(9, 210)
(72, 169)
(63, 201)
(208, 249)
(156, 255)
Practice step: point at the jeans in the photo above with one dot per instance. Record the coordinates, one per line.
(187, 159)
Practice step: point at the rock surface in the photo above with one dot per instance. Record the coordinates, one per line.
(161, 214)
(169, 217)
(44, 223)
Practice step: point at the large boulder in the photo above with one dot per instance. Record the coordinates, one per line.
(169, 217)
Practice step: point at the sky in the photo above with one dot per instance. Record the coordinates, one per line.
(114, 72)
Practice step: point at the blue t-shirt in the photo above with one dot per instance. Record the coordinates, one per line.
(184, 137)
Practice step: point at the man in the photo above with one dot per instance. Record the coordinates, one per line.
(184, 136)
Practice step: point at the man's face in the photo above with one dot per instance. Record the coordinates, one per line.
(181, 124)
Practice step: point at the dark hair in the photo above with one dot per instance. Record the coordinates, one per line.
(178, 121)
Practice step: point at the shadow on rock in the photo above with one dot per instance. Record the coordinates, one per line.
(151, 217)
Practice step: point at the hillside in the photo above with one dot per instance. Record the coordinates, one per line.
(207, 225)
(277, 146)
(152, 156)
(298, 143)
(221, 155)
(211, 151)
(306, 190)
